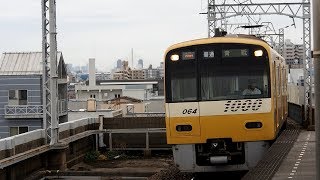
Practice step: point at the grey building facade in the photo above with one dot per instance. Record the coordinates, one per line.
(293, 54)
(21, 92)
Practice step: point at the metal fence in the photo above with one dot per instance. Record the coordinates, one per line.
(130, 132)
(33, 109)
(23, 110)
(146, 114)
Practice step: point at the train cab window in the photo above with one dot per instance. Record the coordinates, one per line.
(181, 76)
(234, 73)
(183, 87)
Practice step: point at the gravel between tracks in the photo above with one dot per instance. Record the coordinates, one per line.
(171, 173)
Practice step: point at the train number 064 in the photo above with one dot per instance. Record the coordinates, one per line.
(189, 111)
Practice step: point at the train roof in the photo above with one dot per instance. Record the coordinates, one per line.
(240, 38)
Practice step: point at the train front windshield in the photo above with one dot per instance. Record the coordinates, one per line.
(217, 72)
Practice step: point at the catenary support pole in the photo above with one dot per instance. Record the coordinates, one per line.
(53, 74)
(316, 55)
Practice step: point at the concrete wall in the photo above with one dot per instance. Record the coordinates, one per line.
(152, 106)
(53, 159)
(108, 91)
(296, 94)
(136, 140)
(21, 143)
(82, 104)
(74, 152)
(100, 94)
(80, 115)
(138, 107)
(31, 83)
(155, 106)
(71, 128)
(27, 141)
(135, 93)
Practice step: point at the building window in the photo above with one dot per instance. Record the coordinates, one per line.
(18, 130)
(12, 95)
(92, 96)
(23, 95)
(18, 97)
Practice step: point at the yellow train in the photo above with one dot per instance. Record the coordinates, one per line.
(226, 100)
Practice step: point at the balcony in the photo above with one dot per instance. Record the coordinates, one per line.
(23, 111)
(32, 111)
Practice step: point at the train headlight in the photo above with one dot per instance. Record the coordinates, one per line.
(174, 57)
(258, 53)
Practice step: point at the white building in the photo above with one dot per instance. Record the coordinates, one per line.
(105, 90)
(114, 89)
(103, 76)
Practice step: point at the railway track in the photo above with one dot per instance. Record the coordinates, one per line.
(264, 170)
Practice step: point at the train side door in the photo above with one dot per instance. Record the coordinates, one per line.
(278, 97)
(286, 93)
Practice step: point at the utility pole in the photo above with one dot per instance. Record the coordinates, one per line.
(316, 60)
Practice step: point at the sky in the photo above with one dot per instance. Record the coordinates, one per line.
(108, 29)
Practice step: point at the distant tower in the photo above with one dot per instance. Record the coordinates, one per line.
(140, 64)
(161, 65)
(119, 64)
(92, 72)
(125, 65)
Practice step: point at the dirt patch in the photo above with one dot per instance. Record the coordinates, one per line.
(120, 163)
(143, 166)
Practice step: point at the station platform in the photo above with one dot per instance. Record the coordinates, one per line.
(300, 161)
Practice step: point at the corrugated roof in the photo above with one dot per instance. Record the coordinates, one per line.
(22, 63)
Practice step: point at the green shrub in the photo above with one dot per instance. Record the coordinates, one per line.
(91, 156)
